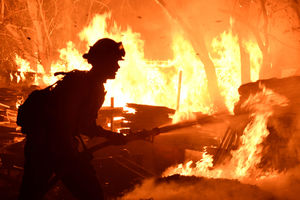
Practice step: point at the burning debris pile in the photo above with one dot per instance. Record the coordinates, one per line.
(260, 146)
(279, 147)
(261, 131)
(241, 149)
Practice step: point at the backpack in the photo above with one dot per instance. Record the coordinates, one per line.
(32, 113)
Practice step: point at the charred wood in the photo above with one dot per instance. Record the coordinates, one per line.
(147, 117)
(288, 87)
(283, 125)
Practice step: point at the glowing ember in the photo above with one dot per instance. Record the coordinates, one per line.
(244, 161)
(20, 101)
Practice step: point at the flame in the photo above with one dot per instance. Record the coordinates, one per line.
(201, 168)
(151, 81)
(244, 161)
(227, 63)
(20, 101)
(255, 58)
(24, 66)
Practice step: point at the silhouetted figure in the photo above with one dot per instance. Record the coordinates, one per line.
(67, 109)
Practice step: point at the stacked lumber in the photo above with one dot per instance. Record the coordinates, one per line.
(8, 100)
(11, 140)
(9, 97)
(107, 117)
(288, 87)
(9, 132)
(147, 116)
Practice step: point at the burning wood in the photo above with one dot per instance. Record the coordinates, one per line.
(147, 117)
(283, 123)
(143, 117)
(106, 117)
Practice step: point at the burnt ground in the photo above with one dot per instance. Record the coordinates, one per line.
(119, 168)
(194, 188)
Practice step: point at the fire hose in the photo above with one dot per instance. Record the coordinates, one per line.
(142, 135)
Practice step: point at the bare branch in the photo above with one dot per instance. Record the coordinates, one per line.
(285, 44)
(89, 11)
(295, 4)
(41, 11)
(198, 44)
(104, 4)
(2, 10)
(51, 24)
(266, 22)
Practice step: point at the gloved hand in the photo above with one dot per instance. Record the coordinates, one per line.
(113, 137)
(105, 133)
(146, 135)
(117, 139)
(86, 156)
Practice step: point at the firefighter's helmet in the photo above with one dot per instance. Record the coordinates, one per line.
(105, 49)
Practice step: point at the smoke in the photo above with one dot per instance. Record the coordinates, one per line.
(284, 186)
(189, 188)
(287, 184)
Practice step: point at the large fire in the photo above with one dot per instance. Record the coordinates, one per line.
(208, 53)
(156, 82)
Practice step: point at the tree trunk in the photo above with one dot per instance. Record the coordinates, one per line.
(2, 11)
(245, 62)
(243, 10)
(41, 38)
(266, 64)
(200, 47)
(295, 4)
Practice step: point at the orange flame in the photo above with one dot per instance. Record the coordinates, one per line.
(24, 66)
(156, 82)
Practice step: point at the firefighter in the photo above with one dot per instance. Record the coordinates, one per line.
(69, 109)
